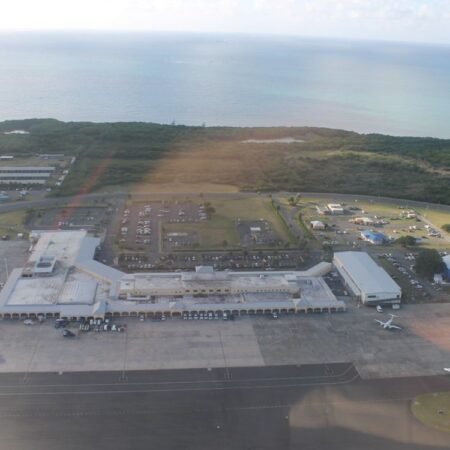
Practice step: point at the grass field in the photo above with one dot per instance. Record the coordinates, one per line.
(438, 218)
(222, 224)
(433, 410)
(211, 234)
(182, 188)
(12, 223)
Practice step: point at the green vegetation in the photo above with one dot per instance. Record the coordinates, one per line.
(293, 201)
(211, 234)
(12, 223)
(306, 230)
(429, 262)
(406, 241)
(446, 227)
(433, 410)
(436, 216)
(112, 154)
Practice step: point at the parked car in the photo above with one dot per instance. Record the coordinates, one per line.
(68, 333)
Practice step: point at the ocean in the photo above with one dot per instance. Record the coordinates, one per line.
(234, 80)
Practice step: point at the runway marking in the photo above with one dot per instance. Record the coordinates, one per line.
(197, 389)
(147, 383)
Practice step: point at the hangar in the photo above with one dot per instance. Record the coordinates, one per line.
(366, 279)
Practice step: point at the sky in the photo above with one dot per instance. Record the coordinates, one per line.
(400, 20)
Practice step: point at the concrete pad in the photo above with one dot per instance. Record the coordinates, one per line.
(150, 345)
(421, 348)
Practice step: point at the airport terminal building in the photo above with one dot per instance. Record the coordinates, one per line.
(62, 279)
(367, 280)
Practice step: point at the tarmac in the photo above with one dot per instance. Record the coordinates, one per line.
(421, 348)
(308, 407)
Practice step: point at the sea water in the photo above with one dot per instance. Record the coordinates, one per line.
(236, 80)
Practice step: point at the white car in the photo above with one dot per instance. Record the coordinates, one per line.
(28, 322)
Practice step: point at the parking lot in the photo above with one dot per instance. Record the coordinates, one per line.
(141, 224)
(233, 260)
(393, 222)
(343, 232)
(162, 235)
(89, 218)
(257, 233)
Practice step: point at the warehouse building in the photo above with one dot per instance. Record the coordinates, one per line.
(374, 237)
(26, 169)
(25, 174)
(62, 279)
(335, 208)
(368, 281)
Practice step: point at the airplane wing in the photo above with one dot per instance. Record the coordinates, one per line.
(394, 326)
(379, 321)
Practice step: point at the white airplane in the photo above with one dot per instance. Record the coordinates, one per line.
(447, 369)
(388, 324)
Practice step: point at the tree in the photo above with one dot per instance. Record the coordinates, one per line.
(209, 208)
(446, 227)
(429, 262)
(406, 241)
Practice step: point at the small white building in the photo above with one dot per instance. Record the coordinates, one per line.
(363, 221)
(335, 208)
(367, 280)
(317, 225)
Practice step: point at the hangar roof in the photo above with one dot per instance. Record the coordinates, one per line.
(365, 273)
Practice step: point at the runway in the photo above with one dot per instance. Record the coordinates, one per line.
(277, 407)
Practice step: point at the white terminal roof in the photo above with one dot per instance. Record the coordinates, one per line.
(78, 292)
(365, 273)
(65, 284)
(81, 286)
(64, 245)
(31, 291)
(205, 280)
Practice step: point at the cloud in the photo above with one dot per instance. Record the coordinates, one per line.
(343, 18)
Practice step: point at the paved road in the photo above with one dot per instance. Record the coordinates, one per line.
(60, 201)
(367, 198)
(279, 407)
(54, 202)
